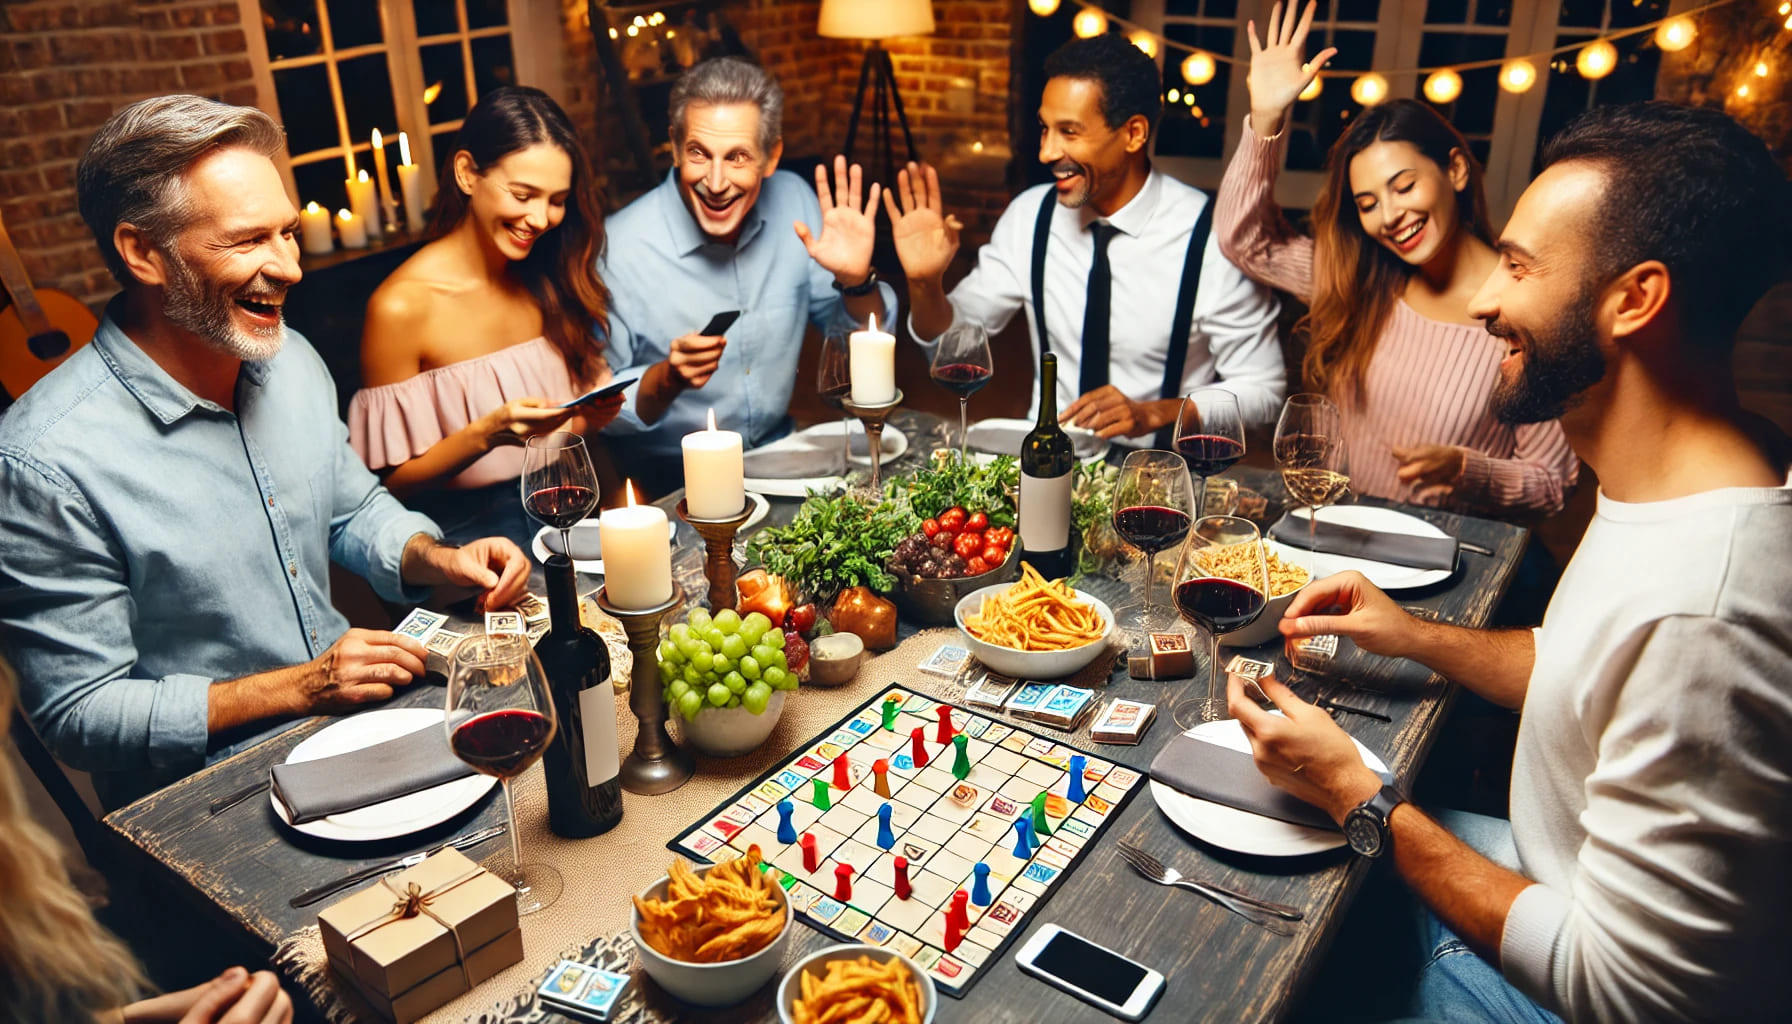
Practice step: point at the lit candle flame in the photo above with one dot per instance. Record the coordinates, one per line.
(404, 149)
(311, 207)
(873, 327)
(712, 420)
(345, 215)
(363, 176)
(377, 142)
(628, 487)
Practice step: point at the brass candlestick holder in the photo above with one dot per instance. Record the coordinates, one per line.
(873, 416)
(656, 765)
(718, 566)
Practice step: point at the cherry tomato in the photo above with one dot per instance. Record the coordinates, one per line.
(930, 527)
(968, 545)
(977, 521)
(977, 567)
(801, 618)
(993, 554)
(1001, 536)
(952, 520)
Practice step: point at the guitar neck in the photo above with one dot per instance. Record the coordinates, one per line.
(18, 285)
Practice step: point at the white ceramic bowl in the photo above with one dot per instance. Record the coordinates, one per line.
(1263, 629)
(718, 984)
(731, 732)
(834, 659)
(791, 988)
(1033, 664)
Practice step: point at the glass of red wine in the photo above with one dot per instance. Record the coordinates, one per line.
(1221, 580)
(833, 381)
(962, 365)
(1209, 435)
(500, 721)
(1153, 507)
(559, 485)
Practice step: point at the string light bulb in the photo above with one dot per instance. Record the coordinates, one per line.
(1198, 67)
(1742, 91)
(1043, 8)
(1676, 34)
(1786, 8)
(1760, 69)
(1369, 89)
(1089, 23)
(1145, 41)
(1311, 92)
(1175, 95)
(1443, 86)
(1518, 76)
(1597, 59)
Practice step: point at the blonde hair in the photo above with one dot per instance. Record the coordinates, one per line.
(56, 962)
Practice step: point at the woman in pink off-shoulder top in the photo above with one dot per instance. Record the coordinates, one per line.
(1401, 247)
(472, 343)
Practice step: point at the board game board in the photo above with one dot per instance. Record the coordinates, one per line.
(942, 826)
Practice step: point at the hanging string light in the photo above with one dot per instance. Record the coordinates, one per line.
(1043, 8)
(1597, 59)
(1676, 34)
(1174, 95)
(1518, 76)
(1089, 23)
(1443, 86)
(1199, 68)
(1145, 41)
(1369, 90)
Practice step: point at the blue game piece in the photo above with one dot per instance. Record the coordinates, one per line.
(786, 831)
(1077, 763)
(885, 837)
(980, 888)
(1023, 843)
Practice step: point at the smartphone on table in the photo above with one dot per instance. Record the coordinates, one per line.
(599, 394)
(1095, 974)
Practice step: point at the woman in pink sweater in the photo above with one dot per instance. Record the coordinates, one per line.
(1401, 246)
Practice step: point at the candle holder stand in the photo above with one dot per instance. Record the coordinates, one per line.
(389, 215)
(656, 765)
(873, 416)
(718, 566)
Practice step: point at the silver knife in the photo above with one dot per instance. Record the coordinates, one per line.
(1476, 548)
(310, 896)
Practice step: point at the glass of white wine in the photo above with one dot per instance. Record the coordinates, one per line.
(1310, 451)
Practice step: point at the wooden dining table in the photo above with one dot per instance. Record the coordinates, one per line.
(240, 866)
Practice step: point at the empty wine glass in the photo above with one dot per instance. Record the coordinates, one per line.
(1209, 435)
(962, 365)
(559, 486)
(1221, 580)
(833, 380)
(500, 721)
(1152, 509)
(1310, 452)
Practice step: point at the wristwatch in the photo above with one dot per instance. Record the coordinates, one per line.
(865, 287)
(1366, 826)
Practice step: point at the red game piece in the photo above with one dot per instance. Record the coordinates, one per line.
(944, 735)
(842, 773)
(918, 748)
(903, 889)
(843, 882)
(880, 769)
(958, 921)
(810, 861)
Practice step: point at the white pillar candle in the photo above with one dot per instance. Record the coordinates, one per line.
(871, 364)
(410, 183)
(353, 230)
(314, 230)
(714, 473)
(364, 204)
(637, 550)
(379, 172)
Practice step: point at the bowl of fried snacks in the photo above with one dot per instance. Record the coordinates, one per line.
(1286, 579)
(1034, 628)
(843, 984)
(712, 936)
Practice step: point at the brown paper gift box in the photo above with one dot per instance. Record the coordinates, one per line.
(435, 991)
(402, 953)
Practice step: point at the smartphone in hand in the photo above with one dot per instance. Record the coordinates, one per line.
(720, 323)
(599, 394)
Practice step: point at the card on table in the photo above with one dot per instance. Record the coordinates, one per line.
(421, 624)
(1030, 698)
(946, 661)
(1063, 706)
(1123, 721)
(443, 642)
(582, 991)
(991, 690)
(503, 622)
(532, 608)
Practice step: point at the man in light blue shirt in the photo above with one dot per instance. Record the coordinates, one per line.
(717, 236)
(172, 495)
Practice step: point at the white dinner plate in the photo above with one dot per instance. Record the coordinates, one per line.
(1243, 831)
(547, 539)
(1004, 436)
(825, 437)
(393, 818)
(1367, 517)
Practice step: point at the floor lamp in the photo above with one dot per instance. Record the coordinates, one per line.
(877, 20)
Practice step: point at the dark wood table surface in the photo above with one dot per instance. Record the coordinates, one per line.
(241, 866)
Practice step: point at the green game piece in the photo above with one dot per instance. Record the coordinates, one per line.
(961, 764)
(1041, 827)
(822, 802)
(891, 707)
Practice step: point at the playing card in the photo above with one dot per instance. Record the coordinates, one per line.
(1123, 721)
(503, 622)
(990, 691)
(1029, 698)
(946, 661)
(582, 991)
(532, 608)
(443, 641)
(421, 624)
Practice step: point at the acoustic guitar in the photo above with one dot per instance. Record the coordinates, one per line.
(38, 330)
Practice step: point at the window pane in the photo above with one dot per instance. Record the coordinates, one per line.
(1183, 131)
(354, 23)
(1581, 13)
(435, 17)
(1493, 12)
(443, 68)
(321, 183)
(367, 88)
(1472, 111)
(492, 64)
(291, 27)
(1629, 14)
(1446, 12)
(1222, 9)
(1356, 50)
(487, 13)
(305, 108)
(1359, 10)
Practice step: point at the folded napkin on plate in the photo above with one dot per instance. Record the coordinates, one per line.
(1392, 548)
(360, 778)
(796, 458)
(1226, 776)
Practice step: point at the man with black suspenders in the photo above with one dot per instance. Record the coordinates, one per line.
(1113, 261)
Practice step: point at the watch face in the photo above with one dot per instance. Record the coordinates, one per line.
(1363, 833)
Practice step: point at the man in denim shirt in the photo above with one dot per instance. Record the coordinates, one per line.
(172, 495)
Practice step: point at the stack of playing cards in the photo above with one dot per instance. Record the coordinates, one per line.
(1123, 721)
(990, 690)
(948, 661)
(430, 628)
(1055, 705)
(581, 990)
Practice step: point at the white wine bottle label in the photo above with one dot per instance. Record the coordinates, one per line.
(1045, 511)
(597, 708)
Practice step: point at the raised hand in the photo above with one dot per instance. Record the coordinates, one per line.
(926, 238)
(848, 228)
(1278, 69)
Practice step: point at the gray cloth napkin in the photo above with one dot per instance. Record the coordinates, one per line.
(1354, 541)
(385, 771)
(795, 458)
(1225, 776)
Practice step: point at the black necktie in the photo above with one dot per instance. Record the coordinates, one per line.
(1097, 311)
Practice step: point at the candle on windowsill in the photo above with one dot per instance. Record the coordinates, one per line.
(353, 230)
(714, 473)
(410, 184)
(637, 549)
(871, 365)
(314, 230)
(387, 207)
(364, 203)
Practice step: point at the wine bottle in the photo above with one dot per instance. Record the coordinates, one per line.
(1047, 470)
(582, 763)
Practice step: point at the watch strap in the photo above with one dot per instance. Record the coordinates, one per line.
(865, 287)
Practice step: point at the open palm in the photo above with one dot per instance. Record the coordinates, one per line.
(1279, 69)
(926, 238)
(848, 227)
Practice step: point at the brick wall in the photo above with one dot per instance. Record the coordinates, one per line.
(64, 68)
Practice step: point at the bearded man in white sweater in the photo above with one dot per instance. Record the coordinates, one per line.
(1645, 876)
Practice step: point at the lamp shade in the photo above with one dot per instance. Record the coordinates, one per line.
(875, 19)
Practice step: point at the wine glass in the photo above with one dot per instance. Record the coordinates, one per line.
(833, 380)
(500, 721)
(1310, 452)
(1221, 580)
(559, 485)
(1209, 435)
(1152, 510)
(962, 365)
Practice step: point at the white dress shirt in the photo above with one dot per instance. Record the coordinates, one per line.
(1232, 340)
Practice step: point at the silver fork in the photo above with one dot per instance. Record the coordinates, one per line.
(1237, 902)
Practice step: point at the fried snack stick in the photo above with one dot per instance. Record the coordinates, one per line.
(729, 914)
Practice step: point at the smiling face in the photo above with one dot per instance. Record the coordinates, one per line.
(1088, 159)
(519, 198)
(722, 166)
(1405, 201)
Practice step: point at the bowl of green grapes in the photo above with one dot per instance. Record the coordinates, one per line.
(724, 679)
